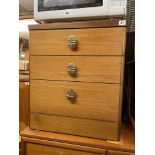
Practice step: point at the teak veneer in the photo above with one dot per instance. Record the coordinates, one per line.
(104, 69)
(88, 103)
(37, 141)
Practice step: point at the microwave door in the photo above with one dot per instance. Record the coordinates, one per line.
(49, 5)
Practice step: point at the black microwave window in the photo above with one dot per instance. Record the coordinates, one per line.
(49, 5)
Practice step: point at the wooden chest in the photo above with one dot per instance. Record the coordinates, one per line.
(76, 78)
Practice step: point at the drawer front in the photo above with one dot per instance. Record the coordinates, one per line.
(93, 41)
(75, 126)
(88, 100)
(76, 68)
(111, 152)
(36, 149)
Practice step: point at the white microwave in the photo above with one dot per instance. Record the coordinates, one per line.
(72, 9)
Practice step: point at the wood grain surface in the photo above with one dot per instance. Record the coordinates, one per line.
(93, 41)
(93, 100)
(111, 152)
(105, 69)
(78, 24)
(24, 101)
(75, 126)
(36, 149)
(125, 144)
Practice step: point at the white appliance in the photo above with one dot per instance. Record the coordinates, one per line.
(72, 9)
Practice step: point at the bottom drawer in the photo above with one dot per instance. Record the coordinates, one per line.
(111, 152)
(76, 126)
(37, 149)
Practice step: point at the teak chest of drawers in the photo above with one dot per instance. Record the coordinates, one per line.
(76, 78)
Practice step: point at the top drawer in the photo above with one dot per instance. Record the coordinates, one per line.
(93, 41)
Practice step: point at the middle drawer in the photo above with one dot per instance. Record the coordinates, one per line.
(105, 69)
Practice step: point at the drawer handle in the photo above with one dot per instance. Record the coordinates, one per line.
(71, 68)
(72, 42)
(71, 94)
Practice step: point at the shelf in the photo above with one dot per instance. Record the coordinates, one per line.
(28, 16)
(23, 78)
